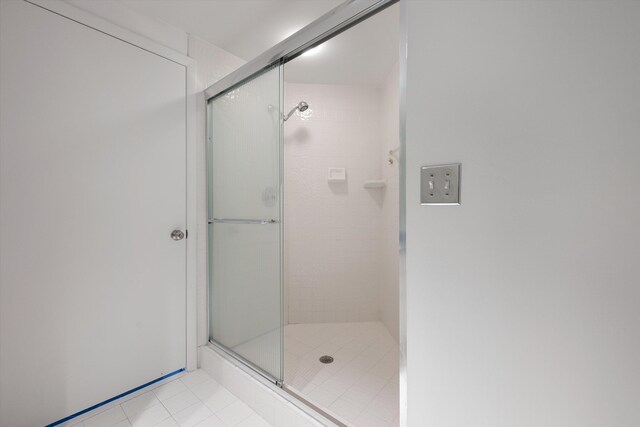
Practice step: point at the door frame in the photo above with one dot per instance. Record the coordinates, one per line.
(97, 23)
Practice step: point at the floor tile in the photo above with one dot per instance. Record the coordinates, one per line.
(219, 400)
(234, 413)
(168, 390)
(297, 348)
(359, 396)
(338, 384)
(149, 417)
(195, 378)
(212, 421)
(254, 420)
(383, 408)
(193, 415)
(345, 409)
(321, 396)
(107, 418)
(180, 401)
(206, 389)
(137, 404)
(180, 404)
(370, 382)
(368, 420)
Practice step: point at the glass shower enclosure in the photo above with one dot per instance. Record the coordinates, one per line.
(245, 175)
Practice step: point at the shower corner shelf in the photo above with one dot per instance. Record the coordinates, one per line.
(375, 183)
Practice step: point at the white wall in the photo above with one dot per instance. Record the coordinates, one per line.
(333, 231)
(121, 15)
(388, 293)
(523, 303)
(213, 62)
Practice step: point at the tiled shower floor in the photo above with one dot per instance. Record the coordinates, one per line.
(195, 399)
(360, 387)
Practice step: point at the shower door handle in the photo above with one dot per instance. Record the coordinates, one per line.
(243, 221)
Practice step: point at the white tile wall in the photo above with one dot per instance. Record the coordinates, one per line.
(341, 250)
(333, 232)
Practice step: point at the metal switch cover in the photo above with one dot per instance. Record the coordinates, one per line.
(440, 185)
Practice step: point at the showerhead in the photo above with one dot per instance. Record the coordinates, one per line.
(302, 106)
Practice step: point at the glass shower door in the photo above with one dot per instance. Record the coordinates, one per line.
(245, 222)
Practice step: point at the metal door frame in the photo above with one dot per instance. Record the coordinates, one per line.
(340, 19)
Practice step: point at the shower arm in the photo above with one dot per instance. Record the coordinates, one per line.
(285, 117)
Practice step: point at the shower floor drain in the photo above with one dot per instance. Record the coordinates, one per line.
(326, 359)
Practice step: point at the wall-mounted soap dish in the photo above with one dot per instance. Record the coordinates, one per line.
(375, 183)
(337, 175)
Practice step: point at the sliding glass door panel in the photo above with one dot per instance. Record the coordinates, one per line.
(245, 220)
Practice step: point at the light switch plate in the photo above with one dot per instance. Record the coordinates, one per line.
(440, 185)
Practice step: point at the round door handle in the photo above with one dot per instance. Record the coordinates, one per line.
(177, 235)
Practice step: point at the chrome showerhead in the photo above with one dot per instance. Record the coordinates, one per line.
(302, 106)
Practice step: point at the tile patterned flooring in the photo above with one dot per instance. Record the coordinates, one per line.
(194, 399)
(361, 386)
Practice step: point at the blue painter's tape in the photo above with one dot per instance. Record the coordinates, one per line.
(133, 390)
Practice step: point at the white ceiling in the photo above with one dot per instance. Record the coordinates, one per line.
(362, 55)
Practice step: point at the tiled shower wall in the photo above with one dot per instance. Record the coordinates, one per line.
(333, 231)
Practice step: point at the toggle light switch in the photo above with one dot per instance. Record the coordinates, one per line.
(440, 185)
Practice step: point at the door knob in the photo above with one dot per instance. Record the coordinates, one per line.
(177, 235)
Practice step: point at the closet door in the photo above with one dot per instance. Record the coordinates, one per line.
(92, 185)
(245, 222)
